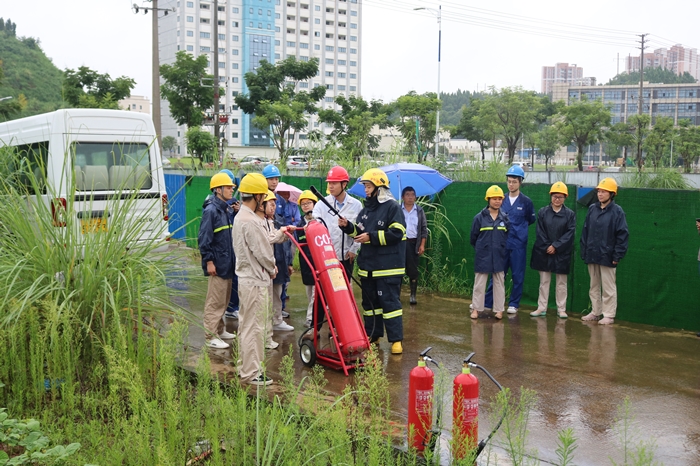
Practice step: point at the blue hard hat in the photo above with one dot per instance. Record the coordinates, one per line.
(516, 170)
(271, 171)
(230, 175)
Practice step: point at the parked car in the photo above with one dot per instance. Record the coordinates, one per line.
(296, 162)
(254, 162)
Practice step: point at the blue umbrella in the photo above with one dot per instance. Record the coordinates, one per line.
(425, 180)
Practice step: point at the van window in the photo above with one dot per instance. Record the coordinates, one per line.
(102, 166)
(21, 160)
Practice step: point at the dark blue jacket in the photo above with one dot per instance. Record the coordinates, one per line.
(554, 229)
(385, 254)
(307, 274)
(604, 236)
(286, 212)
(215, 241)
(283, 259)
(521, 216)
(489, 237)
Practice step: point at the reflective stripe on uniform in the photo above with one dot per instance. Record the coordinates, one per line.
(381, 237)
(502, 228)
(399, 226)
(388, 272)
(372, 313)
(381, 273)
(486, 228)
(225, 227)
(392, 314)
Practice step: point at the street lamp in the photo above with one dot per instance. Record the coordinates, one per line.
(438, 13)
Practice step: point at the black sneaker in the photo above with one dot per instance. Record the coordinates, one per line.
(261, 380)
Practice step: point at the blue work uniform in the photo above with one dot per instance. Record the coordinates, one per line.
(521, 215)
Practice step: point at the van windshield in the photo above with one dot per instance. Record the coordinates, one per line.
(105, 166)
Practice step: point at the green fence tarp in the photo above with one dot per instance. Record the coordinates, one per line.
(657, 281)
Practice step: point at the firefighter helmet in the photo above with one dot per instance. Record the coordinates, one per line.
(560, 188)
(494, 191)
(375, 176)
(608, 184)
(253, 183)
(219, 180)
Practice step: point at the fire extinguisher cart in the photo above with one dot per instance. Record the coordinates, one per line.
(347, 340)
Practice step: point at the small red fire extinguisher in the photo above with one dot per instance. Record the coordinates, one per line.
(420, 404)
(465, 411)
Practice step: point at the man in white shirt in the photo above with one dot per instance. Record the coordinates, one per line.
(348, 207)
(416, 236)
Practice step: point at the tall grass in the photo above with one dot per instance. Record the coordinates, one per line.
(664, 178)
(94, 348)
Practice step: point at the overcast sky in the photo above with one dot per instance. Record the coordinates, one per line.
(498, 43)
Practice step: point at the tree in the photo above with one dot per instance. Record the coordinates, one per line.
(417, 115)
(469, 129)
(86, 88)
(201, 144)
(188, 89)
(658, 140)
(510, 113)
(8, 27)
(272, 97)
(639, 129)
(548, 141)
(169, 143)
(583, 123)
(688, 143)
(353, 123)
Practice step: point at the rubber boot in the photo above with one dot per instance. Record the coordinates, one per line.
(396, 348)
(414, 287)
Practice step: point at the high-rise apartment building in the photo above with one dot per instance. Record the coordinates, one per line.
(249, 31)
(561, 73)
(678, 59)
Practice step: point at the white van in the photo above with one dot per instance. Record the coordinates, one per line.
(88, 159)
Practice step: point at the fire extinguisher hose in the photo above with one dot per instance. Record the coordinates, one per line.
(482, 443)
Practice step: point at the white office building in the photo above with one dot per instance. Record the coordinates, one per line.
(253, 30)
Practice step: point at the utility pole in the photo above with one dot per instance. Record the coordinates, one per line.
(155, 61)
(641, 104)
(155, 71)
(641, 75)
(215, 28)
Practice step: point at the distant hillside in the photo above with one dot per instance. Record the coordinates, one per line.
(28, 71)
(653, 75)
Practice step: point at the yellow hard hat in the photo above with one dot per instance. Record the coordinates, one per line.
(608, 184)
(270, 196)
(253, 183)
(560, 188)
(307, 194)
(375, 176)
(219, 180)
(493, 191)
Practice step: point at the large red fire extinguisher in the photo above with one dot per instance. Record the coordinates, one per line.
(421, 384)
(465, 410)
(347, 322)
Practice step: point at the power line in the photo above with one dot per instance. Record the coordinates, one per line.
(490, 19)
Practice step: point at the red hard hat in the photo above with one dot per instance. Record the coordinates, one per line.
(338, 173)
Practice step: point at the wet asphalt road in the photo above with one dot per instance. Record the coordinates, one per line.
(580, 371)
